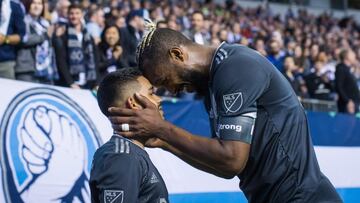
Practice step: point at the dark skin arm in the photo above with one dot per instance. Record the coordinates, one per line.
(222, 158)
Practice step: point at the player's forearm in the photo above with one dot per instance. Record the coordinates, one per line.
(213, 152)
(193, 162)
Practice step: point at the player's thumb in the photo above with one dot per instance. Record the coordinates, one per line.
(143, 101)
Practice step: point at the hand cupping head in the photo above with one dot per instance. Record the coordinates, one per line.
(118, 88)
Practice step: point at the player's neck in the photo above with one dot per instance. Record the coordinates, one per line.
(138, 143)
(201, 57)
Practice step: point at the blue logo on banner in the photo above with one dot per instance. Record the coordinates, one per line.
(47, 144)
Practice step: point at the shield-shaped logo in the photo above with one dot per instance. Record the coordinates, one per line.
(233, 102)
(111, 195)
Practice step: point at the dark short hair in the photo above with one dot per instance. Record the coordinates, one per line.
(115, 87)
(343, 54)
(75, 6)
(198, 12)
(133, 14)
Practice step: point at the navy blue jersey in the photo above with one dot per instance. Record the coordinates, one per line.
(122, 172)
(250, 101)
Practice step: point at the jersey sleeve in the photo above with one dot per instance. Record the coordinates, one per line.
(119, 179)
(239, 82)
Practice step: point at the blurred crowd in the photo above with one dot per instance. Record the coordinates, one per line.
(74, 44)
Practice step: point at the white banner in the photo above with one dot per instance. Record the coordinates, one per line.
(49, 134)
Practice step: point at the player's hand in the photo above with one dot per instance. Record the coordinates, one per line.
(145, 122)
(155, 142)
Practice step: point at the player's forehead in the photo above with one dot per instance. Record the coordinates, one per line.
(156, 76)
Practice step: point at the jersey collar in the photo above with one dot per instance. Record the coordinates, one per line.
(214, 60)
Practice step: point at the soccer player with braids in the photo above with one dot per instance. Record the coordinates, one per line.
(259, 128)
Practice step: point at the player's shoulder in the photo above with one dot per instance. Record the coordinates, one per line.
(236, 64)
(238, 59)
(119, 148)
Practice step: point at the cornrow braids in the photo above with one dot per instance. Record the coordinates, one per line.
(150, 28)
(152, 51)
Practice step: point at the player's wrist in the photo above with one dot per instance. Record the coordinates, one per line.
(164, 129)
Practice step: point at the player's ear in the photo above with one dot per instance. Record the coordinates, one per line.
(177, 54)
(131, 104)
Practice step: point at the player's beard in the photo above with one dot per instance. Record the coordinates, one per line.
(198, 80)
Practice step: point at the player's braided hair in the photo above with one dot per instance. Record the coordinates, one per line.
(155, 44)
(150, 28)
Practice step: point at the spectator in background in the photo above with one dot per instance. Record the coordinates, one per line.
(276, 55)
(120, 22)
(314, 52)
(12, 31)
(111, 56)
(96, 24)
(301, 61)
(34, 61)
(318, 83)
(259, 46)
(235, 35)
(131, 35)
(162, 24)
(329, 66)
(172, 24)
(197, 33)
(59, 16)
(76, 53)
(296, 81)
(345, 83)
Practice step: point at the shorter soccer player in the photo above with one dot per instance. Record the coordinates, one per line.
(122, 171)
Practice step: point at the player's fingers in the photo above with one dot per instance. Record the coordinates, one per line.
(118, 120)
(144, 102)
(33, 146)
(119, 128)
(117, 111)
(129, 135)
(31, 157)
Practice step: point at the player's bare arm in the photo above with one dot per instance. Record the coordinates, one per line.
(222, 158)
